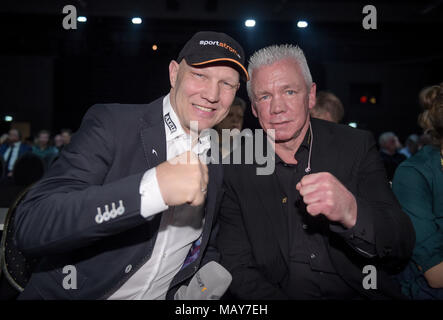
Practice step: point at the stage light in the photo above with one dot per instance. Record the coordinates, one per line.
(82, 19)
(8, 118)
(250, 23)
(154, 47)
(302, 24)
(136, 20)
(352, 124)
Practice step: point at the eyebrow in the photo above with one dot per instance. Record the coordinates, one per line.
(292, 86)
(261, 93)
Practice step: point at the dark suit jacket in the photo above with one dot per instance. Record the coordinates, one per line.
(103, 164)
(253, 235)
(24, 148)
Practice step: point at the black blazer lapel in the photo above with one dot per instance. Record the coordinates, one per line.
(323, 138)
(152, 132)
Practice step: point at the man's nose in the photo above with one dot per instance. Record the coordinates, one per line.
(211, 92)
(277, 105)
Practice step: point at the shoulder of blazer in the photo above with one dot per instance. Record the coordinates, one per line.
(149, 113)
(153, 112)
(344, 133)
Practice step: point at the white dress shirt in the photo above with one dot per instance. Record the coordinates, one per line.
(179, 227)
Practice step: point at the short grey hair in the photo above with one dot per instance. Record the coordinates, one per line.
(385, 137)
(275, 53)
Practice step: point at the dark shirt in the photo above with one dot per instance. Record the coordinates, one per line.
(312, 274)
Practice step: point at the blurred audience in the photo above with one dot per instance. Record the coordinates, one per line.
(328, 107)
(58, 142)
(418, 185)
(389, 146)
(411, 146)
(12, 150)
(43, 149)
(42, 145)
(23, 162)
(66, 135)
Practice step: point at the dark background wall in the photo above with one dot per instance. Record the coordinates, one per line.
(49, 76)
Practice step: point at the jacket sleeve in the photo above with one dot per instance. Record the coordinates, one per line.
(61, 212)
(383, 231)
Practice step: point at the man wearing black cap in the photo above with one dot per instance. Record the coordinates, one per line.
(127, 210)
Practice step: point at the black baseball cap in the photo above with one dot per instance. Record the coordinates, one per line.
(207, 47)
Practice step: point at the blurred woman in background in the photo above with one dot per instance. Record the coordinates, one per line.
(418, 185)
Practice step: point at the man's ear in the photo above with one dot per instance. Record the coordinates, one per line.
(312, 95)
(173, 72)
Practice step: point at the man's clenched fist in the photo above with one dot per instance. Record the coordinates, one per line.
(183, 179)
(324, 194)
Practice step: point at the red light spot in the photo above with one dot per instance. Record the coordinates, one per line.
(363, 99)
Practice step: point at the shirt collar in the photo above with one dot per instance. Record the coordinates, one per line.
(173, 126)
(304, 145)
(174, 130)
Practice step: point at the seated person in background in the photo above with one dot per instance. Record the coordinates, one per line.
(389, 146)
(411, 146)
(234, 120)
(58, 142)
(418, 185)
(43, 149)
(308, 229)
(66, 136)
(328, 107)
(12, 150)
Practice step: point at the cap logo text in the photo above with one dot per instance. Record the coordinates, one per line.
(220, 44)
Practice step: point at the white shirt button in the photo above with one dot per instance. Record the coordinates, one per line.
(128, 268)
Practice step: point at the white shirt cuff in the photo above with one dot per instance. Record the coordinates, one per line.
(151, 198)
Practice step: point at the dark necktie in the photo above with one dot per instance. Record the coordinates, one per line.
(9, 157)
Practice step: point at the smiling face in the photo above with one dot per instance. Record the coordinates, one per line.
(281, 99)
(202, 94)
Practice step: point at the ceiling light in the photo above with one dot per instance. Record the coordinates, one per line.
(250, 23)
(302, 24)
